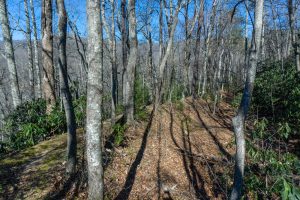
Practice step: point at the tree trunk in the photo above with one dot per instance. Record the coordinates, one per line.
(47, 54)
(94, 102)
(294, 37)
(197, 52)
(187, 52)
(152, 68)
(124, 38)
(278, 41)
(239, 120)
(36, 52)
(9, 54)
(130, 69)
(64, 88)
(207, 45)
(114, 90)
(217, 81)
(29, 52)
(113, 58)
(162, 64)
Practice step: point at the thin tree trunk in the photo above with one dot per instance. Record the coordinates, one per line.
(36, 52)
(294, 37)
(187, 53)
(94, 102)
(124, 38)
(197, 52)
(207, 45)
(29, 52)
(218, 80)
(130, 69)
(160, 31)
(65, 90)
(9, 54)
(161, 68)
(239, 120)
(47, 54)
(114, 65)
(113, 58)
(150, 65)
(278, 42)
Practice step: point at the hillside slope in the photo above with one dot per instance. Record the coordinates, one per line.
(183, 152)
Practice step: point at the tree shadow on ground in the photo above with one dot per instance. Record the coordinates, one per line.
(11, 174)
(70, 185)
(217, 142)
(193, 175)
(125, 192)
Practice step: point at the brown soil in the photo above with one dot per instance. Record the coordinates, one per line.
(179, 155)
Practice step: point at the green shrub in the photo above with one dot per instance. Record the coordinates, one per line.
(180, 106)
(80, 111)
(141, 99)
(23, 127)
(119, 109)
(236, 100)
(267, 170)
(267, 165)
(290, 191)
(276, 97)
(119, 136)
(176, 92)
(29, 123)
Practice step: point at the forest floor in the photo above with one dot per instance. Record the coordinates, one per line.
(183, 152)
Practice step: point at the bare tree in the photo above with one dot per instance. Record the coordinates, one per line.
(94, 101)
(113, 57)
(29, 51)
(47, 54)
(36, 51)
(64, 88)
(172, 23)
(189, 25)
(124, 38)
(210, 29)
(9, 54)
(239, 120)
(130, 69)
(294, 35)
(197, 51)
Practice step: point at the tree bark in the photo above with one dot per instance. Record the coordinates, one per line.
(9, 54)
(47, 54)
(29, 52)
(294, 36)
(36, 52)
(124, 38)
(197, 52)
(171, 27)
(207, 45)
(188, 29)
(65, 90)
(94, 102)
(239, 120)
(113, 58)
(130, 69)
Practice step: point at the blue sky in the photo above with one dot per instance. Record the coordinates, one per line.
(77, 13)
(75, 8)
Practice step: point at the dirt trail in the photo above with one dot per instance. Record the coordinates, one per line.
(181, 153)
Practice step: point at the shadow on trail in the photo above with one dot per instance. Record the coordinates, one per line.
(125, 192)
(193, 175)
(220, 146)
